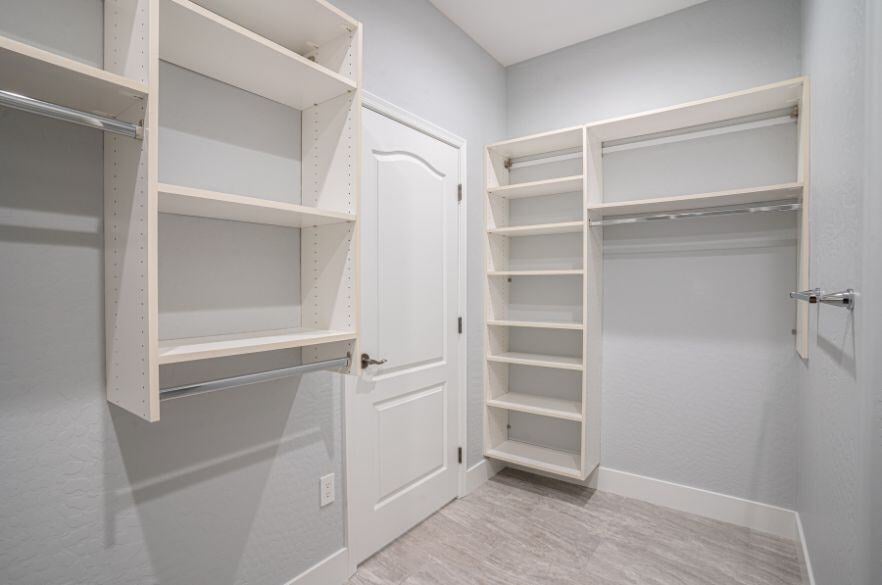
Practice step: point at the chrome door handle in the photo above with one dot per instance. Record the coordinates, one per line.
(366, 361)
(810, 296)
(845, 298)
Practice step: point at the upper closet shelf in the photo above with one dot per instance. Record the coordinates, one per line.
(703, 200)
(45, 76)
(298, 25)
(538, 188)
(197, 39)
(173, 351)
(210, 204)
(537, 144)
(760, 100)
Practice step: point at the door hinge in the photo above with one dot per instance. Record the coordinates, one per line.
(459, 454)
(459, 324)
(459, 192)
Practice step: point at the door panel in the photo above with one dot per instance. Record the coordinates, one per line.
(402, 415)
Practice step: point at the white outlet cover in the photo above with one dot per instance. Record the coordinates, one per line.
(326, 489)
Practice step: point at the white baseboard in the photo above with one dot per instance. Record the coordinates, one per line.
(754, 515)
(808, 577)
(334, 570)
(479, 473)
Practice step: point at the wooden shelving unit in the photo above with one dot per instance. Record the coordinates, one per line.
(228, 52)
(303, 54)
(512, 397)
(732, 197)
(179, 200)
(545, 229)
(48, 77)
(510, 432)
(174, 351)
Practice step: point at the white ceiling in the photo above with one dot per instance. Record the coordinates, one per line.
(515, 30)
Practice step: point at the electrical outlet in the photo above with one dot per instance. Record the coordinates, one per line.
(327, 489)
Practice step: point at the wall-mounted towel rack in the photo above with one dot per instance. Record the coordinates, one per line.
(698, 213)
(65, 114)
(235, 381)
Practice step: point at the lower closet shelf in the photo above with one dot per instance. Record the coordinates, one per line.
(550, 460)
(539, 360)
(173, 351)
(541, 405)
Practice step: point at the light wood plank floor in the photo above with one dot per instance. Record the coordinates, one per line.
(519, 529)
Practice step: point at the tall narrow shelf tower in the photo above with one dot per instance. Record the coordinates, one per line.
(302, 54)
(542, 325)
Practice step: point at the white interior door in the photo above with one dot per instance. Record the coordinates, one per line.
(403, 413)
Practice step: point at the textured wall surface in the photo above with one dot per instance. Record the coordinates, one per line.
(835, 486)
(702, 51)
(420, 61)
(699, 386)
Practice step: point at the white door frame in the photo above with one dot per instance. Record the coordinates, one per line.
(393, 112)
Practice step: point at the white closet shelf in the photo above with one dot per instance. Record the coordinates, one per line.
(45, 76)
(237, 56)
(299, 25)
(536, 324)
(538, 360)
(544, 229)
(563, 463)
(564, 272)
(759, 100)
(173, 351)
(538, 188)
(210, 204)
(685, 202)
(536, 144)
(541, 405)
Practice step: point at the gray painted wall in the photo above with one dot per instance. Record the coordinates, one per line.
(706, 50)
(420, 61)
(840, 440)
(680, 401)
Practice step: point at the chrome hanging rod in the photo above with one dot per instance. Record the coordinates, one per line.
(844, 299)
(544, 158)
(235, 381)
(751, 122)
(65, 114)
(697, 213)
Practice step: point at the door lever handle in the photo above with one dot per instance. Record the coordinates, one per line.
(845, 298)
(367, 360)
(810, 296)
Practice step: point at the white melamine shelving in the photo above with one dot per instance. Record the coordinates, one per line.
(554, 461)
(566, 272)
(231, 53)
(704, 200)
(538, 188)
(540, 405)
(303, 54)
(45, 76)
(298, 25)
(545, 229)
(517, 403)
(537, 359)
(536, 366)
(210, 204)
(536, 324)
(173, 351)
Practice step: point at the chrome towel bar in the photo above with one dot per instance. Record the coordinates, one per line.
(30, 105)
(235, 381)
